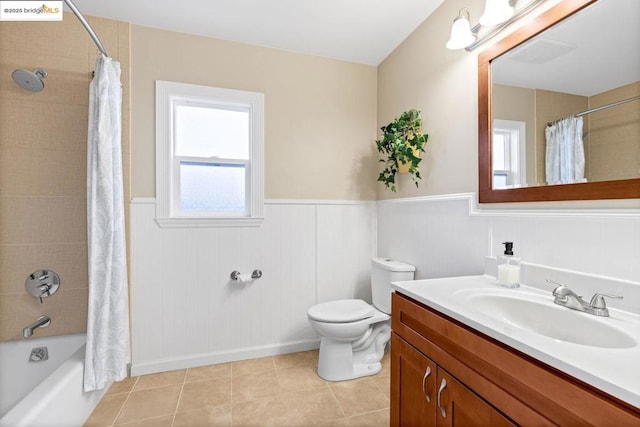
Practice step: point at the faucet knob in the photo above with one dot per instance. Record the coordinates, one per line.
(560, 290)
(597, 301)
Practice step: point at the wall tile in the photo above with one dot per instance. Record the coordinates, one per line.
(27, 172)
(37, 125)
(67, 310)
(42, 220)
(18, 261)
(66, 38)
(67, 80)
(43, 139)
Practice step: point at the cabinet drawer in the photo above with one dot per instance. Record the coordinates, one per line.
(526, 390)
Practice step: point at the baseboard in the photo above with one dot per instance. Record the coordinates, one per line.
(202, 359)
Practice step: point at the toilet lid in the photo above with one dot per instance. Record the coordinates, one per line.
(341, 311)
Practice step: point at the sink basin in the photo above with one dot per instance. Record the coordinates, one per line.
(601, 351)
(546, 318)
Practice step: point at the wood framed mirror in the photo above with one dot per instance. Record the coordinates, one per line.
(619, 184)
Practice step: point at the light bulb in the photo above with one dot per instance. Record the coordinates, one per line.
(461, 35)
(495, 12)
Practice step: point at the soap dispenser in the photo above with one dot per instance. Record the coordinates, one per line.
(508, 268)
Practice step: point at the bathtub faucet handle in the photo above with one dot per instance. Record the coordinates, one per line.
(45, 291)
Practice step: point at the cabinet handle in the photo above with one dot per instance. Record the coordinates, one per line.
(443, 385)
(424, 383)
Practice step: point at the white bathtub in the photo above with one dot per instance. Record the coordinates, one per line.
(47, 393)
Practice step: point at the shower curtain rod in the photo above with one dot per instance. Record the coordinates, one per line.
(602, 107)
(86, 25)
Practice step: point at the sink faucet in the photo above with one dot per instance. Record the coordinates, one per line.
(567, 298)
(42, 322)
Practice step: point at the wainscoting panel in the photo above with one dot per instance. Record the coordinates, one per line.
(602, 245)
(346, 244)
(437, 235)
(186, 310)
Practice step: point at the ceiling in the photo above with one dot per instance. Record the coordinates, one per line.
(361, 31)
(593, 51)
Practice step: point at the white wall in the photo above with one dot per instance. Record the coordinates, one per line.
(451, 235)
(186, 311)
(436, 234)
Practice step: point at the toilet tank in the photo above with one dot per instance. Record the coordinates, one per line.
(383, 272)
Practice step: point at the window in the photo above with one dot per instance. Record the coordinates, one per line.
(209, 155)
(508, 151)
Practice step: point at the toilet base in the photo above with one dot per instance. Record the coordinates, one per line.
(340, 361)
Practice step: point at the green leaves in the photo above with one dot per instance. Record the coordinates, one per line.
(401, 143)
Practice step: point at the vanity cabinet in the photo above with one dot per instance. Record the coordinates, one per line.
(487, 382)
(427, 395)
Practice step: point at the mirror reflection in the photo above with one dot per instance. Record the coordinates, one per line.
(566, 103)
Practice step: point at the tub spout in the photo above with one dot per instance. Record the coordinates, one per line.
(42, 322)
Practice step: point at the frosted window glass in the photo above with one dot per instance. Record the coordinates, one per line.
(499, 152)
(212, 187)
(207, 132)
(499, 180)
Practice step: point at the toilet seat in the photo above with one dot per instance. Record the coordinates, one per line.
(341, 311)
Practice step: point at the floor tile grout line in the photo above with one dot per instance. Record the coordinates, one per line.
(281, 391)
(157, 417)
(367, 413)
(344, 414)
(175, 412)
(115, 419)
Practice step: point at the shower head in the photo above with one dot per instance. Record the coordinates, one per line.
(31, 81)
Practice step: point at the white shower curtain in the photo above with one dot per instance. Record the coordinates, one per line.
(107, 352)
(565, 152)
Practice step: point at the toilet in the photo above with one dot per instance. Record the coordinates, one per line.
(353, 333)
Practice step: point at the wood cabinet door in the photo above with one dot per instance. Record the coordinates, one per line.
(413, 378)
(457, 406)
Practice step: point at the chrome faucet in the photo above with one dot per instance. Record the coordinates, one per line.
(567, 298)
(42, 322)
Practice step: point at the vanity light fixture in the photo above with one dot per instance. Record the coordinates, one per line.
(461, 35)
(498, 14)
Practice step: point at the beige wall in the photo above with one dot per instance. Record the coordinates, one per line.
(611, 136)
(43, 139)
(320, 114)
(518, 104)
(537, 107)
(614, 136)
(421, 73)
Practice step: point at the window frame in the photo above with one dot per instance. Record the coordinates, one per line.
(515, 152)
(168, 212)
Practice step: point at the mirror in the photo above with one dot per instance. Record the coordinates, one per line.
(559, 106)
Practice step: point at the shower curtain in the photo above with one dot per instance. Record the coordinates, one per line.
(107, 352)
(565, 152)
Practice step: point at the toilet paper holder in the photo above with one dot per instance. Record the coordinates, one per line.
(255, 274)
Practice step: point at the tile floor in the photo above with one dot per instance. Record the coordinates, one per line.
(271, 391)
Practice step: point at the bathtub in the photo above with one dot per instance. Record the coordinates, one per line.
(46, 393)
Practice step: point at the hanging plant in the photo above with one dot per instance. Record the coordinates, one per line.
(401, 143)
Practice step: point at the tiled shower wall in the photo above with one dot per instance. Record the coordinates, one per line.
(43, 140)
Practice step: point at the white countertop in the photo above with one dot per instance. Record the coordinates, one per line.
(614, 370)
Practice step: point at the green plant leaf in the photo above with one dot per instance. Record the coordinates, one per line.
(401, 142)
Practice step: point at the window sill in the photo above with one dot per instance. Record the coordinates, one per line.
(209, 222)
